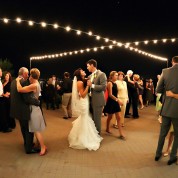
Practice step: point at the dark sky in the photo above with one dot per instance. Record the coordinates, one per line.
(122, 20)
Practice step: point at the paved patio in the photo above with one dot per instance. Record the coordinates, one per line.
(133, 158)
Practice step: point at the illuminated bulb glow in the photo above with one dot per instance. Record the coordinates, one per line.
(98, 37)
(136, 43)
(31, 23)
(18, 20)
(5, 20)
(56, 25)
(78, 32)
(155, 41)
(146, 42)
(95, 49)
(68, 28)
(164, 40)
(43, 24)
(90, 33)
(106, 40)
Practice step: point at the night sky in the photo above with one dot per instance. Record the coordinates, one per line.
(121, 20)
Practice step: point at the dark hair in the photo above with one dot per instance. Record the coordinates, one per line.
(66, 74)
(92, 61)
(10, 76)
(175, 59)
(79, 77)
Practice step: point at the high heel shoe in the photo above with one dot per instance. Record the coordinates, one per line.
(122, 137)
(44, 152)
(108, 132)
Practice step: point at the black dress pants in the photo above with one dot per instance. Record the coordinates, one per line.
(3, 118)
(27, 136)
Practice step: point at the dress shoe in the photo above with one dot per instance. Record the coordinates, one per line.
(65, 117)
(135, 117)
(172, 161)
(34, 150)
(157, 158)
(8, 130)
(127, 116)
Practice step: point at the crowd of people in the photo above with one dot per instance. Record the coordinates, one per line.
(87, 98)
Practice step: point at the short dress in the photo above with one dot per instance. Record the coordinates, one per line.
(112, 106)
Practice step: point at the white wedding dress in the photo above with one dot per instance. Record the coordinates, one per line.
(83, 134)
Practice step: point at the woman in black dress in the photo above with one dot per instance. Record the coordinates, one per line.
(6, 88)
(113, 103)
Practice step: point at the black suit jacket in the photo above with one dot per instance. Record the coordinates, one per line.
(20, 102)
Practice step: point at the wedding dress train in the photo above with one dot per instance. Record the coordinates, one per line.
(83, 134)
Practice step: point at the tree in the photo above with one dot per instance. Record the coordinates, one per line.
(6, 66)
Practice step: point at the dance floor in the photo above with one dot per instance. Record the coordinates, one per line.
(133, 158)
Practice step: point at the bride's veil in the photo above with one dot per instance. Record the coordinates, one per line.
(75, 99)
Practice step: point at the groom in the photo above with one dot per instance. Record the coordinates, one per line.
(97, 83)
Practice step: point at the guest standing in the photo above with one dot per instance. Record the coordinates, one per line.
(168, 82)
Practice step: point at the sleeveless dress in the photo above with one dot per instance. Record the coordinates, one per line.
(111, 105)
(36, 122)
(83, 134)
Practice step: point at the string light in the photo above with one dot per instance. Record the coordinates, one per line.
(79, 32)
(98, 37)
(95, 49)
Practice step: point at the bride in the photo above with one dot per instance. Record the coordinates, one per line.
(83, 134)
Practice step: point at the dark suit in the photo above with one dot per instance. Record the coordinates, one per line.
(133, 98)
(168, 81)
(20, 110)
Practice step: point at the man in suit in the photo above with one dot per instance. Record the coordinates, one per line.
(97, 84)
(168, 81)
(20, 109)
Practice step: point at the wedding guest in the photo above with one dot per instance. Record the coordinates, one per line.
(57, 87)
(140, 93)
(149, 92)
(4, 125)
(67, 95)
(36, 123)
(20, 109)
(158, 102)
(6, 86)
(168, 82)
(50, 94)
(122, 96)
(113, 104)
